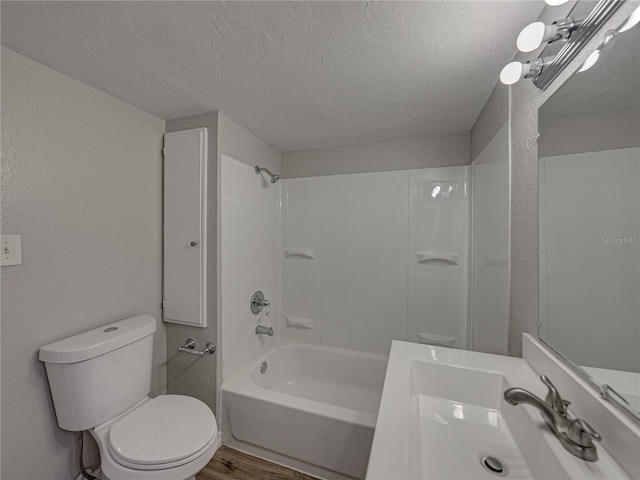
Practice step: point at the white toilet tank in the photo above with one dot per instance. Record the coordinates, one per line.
(98, 374)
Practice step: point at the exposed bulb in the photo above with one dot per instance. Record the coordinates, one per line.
(512, 72)
(534, 35)
(631, 22)
(590, 61)
(555, 3)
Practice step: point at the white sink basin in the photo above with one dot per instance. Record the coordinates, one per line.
(443, 411)
(459, 406)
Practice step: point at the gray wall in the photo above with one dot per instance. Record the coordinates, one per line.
(492, 117)
(82, 184)
(187, 374)
(525, 100)
(240, 144)
(404, 154)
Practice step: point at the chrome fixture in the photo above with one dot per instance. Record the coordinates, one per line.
(262, 330)
(534, 35)
(274, 177)
(607, 390)
(575, 435)
(576, 34)
(514, 71)
(190, 345)
(600, 14)
(258, 302)
(494, 465)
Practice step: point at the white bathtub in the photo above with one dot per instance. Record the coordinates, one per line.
(314, 409)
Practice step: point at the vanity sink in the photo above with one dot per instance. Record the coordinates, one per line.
(458, 410)
(443, 415)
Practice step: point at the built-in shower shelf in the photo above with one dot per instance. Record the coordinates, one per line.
(300, 252)
(450, 258)
(299, 322)
(441, 340)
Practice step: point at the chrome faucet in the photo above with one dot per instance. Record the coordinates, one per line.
(258, 302)
(262, 330)
(575, 435)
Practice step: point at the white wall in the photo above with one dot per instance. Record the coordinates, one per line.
(490, 244)
(247, 260)
(349, 254)
(82, 184)
(590, 257)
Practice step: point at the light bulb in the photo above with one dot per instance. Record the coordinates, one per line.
(590, 61)
(511, 73)
(534, 35)
(555, 3)
(631, 22)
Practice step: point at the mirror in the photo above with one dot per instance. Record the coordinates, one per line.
(589, 187)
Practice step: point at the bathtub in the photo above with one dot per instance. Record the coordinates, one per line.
(313, 409)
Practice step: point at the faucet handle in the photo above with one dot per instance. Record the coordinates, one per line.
(553, 397)
(581, 433)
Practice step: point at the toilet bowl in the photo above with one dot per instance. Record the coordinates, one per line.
(165, 438)
(100, 381)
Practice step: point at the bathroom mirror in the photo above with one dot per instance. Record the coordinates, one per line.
(589, 187)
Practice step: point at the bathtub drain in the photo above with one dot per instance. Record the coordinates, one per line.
(263, 367)
(494, 465)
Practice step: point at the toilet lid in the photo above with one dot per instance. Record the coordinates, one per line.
(163, 430)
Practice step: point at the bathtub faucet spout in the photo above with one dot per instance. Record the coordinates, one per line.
(262, 330)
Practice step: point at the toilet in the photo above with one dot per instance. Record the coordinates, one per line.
(100, 381)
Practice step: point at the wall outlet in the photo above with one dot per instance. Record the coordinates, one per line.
(11, 250)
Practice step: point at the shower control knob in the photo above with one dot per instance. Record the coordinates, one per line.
(193, 244)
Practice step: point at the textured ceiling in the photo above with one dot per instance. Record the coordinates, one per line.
(297, 74)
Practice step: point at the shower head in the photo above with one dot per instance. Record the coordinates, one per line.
(274, 177)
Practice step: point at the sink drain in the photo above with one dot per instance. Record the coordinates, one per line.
(263, 367)
(493, 464)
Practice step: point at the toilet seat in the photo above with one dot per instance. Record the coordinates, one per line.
(164, 432)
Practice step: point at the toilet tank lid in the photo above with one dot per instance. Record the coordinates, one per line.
(98, 341)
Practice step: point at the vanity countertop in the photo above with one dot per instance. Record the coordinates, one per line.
(443, 410)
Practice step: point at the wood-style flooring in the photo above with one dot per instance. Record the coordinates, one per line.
(230, 464)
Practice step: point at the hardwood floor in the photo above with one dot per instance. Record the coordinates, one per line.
(230, 464)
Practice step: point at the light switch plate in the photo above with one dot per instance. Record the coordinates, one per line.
(11, 250)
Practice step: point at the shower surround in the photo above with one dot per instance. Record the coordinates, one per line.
(373, 257)
(349, 263)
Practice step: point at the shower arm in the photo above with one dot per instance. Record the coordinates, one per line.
(274, 177)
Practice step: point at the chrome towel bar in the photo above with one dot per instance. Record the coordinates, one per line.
(190, 345)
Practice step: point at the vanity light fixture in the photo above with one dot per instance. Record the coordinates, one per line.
(514, 71)
(595, 55)
(535, 34)
(555, 3)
